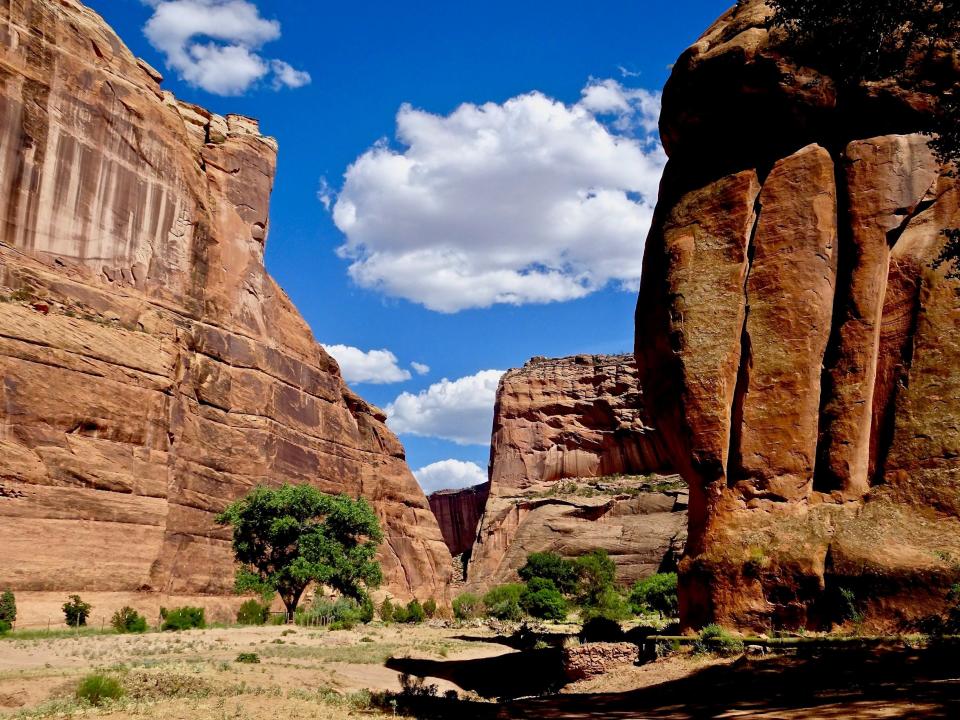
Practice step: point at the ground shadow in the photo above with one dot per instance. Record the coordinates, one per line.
(830, 684)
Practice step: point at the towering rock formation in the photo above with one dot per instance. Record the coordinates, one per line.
(800, 356)
(568, 464)
(458, 513)
(152, 370)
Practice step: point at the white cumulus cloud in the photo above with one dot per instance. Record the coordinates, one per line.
(377, 367)
(450, 475)
(529, 201)
(420, 368)
(457, 410)
(215, 44)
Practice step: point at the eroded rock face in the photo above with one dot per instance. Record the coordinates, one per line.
(152, 369)
(799, 352)
(458, 513)
(569, 463)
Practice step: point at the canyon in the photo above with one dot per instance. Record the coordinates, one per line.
(574, 468)
(152, 370)
(799, 351)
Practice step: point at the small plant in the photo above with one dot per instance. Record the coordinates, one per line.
(503, 602)
(8, 608)
(5, 627)
(657, 593)
(430, 608)
(386, 610)
(128, 620)
(248, 658)
(715, 640)
(541, 599)
(467, 606)
(96, 689)
(253, 612)
(339, 614)
(414, 612)
(76, 611)
(367, 610)
(400, 614)
(183, 618)
(850, 606)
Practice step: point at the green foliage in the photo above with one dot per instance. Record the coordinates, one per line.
(541, 599)
(5, 627)
(367, 610)
(609, 604)
(386, 610)
(76, 611)
(563, 573)
(340, 614)
(248, 658)
(601, 629)
(503, 602)
(182, 618)
(8, 607)
(400, 614)
(597, 573)
(715, 640)
(430, 608)
(467, 606)
(657, 593)
(287, 537)
(253, 612)
(96, 689)
(128, 620)
(849, 606)
(414, 612)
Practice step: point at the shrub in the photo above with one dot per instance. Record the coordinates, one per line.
(656, 593)
(8, 607)
(96, 688)
(467, 606)
(551, 566)
(128, 620)
(76, 611)
(608, 604)
(414, 612)
(430, 608)
(400, 614)
(541, 599)
(366, 610)
(183, 618)
(503, 602)
(5, 627)
(601, 629)
(339, 614)
(248, 658)
(253, 612)
(716, 640)
(386, 610)
(597, 573)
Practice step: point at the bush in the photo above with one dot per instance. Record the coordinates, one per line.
(414, 613)
(248, 658)
(253, 612)
(5, 627)
(541, 599)
(366, 611)
(597, 573)
(399, 614)
(715, 640)
(430, 608)
(386, 610)
(340, 614)
(76, 611)
(503, 602)
(183, 618)
(609, 604)
(551, 566)
(8, 607)
(601, 629)
(128, 620)
(96, 688)
(656, 593)
(467, 606)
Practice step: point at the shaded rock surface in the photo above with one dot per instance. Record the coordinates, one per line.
(458, 513)
(800, 355)
(152, 370)
(568, 462)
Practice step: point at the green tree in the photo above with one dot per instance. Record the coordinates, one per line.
(76, 611)
(128, 620)
(551, 566)
(386, 610)
(856, 41)
(656, 593)
(288, 537)
(8, 607)
(542, 600)
(503, 601)
(597, 573)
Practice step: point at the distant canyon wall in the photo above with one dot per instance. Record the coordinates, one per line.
(152, 370)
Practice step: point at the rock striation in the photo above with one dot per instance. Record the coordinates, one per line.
(152, 369)
(458, 513)
(799, 352)
(569, 465)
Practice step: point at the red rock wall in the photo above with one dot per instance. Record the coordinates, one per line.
(152, 369)
(575, 419)
(800, 354)
(458, 513)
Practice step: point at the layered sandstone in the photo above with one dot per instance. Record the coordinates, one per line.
(799, 351)
(458, 513)
(152, 369)
(569, 466)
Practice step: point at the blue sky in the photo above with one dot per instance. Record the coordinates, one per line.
(470, 237)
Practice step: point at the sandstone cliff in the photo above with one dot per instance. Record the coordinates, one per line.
(800, 355)
(569, 463)
(152, 369)
(458, 513)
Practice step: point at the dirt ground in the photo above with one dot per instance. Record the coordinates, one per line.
(313, 673)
